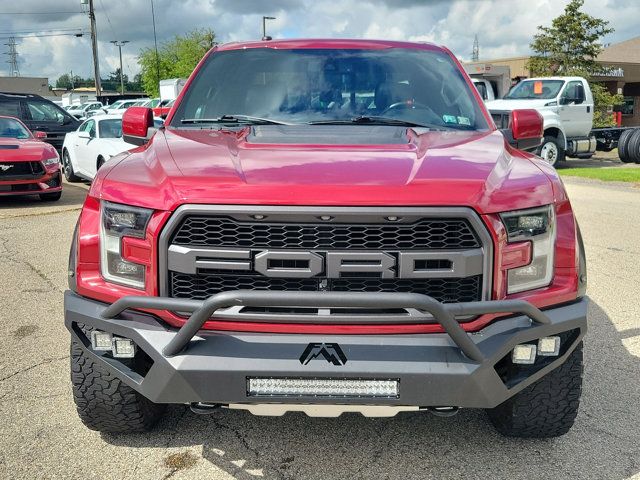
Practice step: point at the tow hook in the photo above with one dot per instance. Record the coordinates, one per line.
(203, 408)
(443, 411)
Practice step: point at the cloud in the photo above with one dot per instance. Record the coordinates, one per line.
(503, 28)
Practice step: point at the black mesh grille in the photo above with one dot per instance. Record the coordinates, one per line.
(20, 170)
(227, 232)
(443, 289)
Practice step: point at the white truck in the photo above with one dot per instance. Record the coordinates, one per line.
(492, 81)
(171, 88)
(566, 105)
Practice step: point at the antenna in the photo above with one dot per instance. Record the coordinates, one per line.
(13, 57)
(475, 53)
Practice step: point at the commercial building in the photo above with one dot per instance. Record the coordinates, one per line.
(619, 71)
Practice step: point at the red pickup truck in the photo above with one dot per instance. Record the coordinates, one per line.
(328, 226)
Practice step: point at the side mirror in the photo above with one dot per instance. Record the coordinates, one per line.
(525, 131)
(40, 135)
(579, 94)
(137, 125)
(84, 134)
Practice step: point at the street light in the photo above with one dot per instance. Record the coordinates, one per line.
(119, 44)
(264, 27)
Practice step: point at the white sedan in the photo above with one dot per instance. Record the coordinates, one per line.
(86, 149)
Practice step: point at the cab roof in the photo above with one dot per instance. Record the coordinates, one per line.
(329, 43)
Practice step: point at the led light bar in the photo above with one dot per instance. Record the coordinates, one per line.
(322, 387)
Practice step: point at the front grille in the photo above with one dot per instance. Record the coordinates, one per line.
(425, 234)
(20, 170)
(213, 249)
(448, 290)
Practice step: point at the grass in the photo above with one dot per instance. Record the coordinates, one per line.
(616, 174)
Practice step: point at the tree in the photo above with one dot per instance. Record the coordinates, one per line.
(176, 58)
(570, 46)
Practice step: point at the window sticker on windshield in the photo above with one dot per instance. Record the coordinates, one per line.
(464, 121)
(537, 88)
(449, 119)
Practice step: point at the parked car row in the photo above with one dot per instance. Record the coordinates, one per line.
(85, 110)
(35, 133)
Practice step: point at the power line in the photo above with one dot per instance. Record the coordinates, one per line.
(40, 13)
(42, 31)
(79, 34)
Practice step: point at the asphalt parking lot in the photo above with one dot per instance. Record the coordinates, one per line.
(41, 436)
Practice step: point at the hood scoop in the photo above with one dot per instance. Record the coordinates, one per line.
(328, 135)
(9, 147)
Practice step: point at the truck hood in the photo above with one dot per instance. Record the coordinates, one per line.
(320, 165)
(510, 105)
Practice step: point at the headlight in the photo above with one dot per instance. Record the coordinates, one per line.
(536, 225)
(51, 161)
(119, 221)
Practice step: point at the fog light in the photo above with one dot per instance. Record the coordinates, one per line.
(123, 348)
(101, 341)
(323, 387)
(549, 346)
(524, 354)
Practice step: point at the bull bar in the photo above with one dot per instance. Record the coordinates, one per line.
(444, 314)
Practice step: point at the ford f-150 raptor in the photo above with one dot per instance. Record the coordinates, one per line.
(328, 226)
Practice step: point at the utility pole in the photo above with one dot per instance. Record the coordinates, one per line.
(13, 57)
(94, 47)
(475, 54)
(155, 41)
(264, 27)
(119, 45)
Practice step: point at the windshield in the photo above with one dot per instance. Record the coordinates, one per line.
(421, 87)
(115, 105)
(110, 128)
(532, 89)
(11, 128)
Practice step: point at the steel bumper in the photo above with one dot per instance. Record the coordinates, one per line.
(449, 369)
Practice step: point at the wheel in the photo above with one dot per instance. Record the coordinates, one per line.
(68, 168)
(545, 409)
(50, 197)
(633, 147)
(551, 151)
(623, 146)
(104, 402)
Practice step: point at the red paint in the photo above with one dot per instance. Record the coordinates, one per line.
(472, 169)
(30, 149)
(526, 124)
(136, 121)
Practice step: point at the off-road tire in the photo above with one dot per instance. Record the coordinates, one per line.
(560, 156)
(50, 197)
(67, 167)
(545, 409)
(623, 146)
(104, 402)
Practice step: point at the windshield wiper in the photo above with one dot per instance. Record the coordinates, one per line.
(245, 119)
(375, 120)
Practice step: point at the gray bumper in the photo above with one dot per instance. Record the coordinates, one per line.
(432, 369)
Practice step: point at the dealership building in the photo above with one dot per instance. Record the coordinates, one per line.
(619, 71)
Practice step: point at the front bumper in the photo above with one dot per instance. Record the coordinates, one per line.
(450, 369)
(50, 182)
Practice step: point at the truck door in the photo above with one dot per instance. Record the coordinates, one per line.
(575, 113)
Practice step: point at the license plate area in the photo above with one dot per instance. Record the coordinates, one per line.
(322, 387)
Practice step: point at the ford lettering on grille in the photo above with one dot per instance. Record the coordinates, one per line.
(327, 264)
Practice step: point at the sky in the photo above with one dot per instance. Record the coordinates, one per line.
(504, 27)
